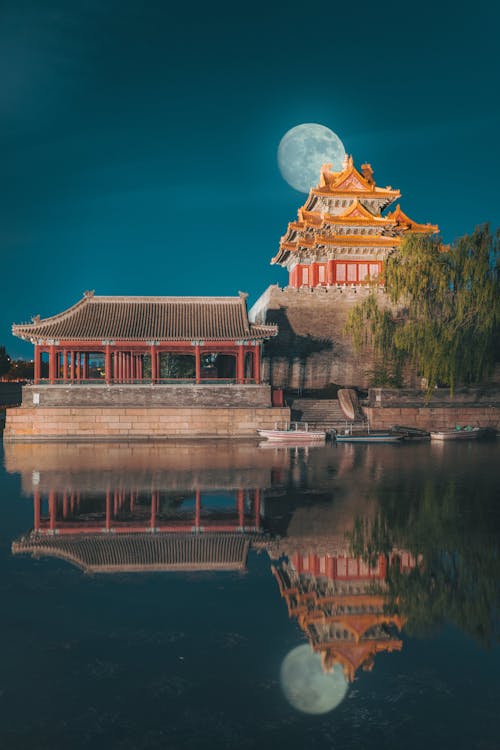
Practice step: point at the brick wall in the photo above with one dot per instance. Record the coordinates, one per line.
(475, 406)
(433, 418)
(147, 396)
(129, 423)
(311, 349)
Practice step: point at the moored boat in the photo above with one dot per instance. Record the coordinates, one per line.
(367, 437)
(294, 433)
(459, 433)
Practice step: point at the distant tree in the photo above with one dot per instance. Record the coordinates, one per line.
(448, 303)
(4, 361)
(20, 370)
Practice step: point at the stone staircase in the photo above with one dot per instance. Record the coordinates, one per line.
(322, 414)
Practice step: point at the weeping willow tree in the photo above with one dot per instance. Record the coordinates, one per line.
(448, 317)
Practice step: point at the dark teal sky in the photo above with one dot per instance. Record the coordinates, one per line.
(138, 139)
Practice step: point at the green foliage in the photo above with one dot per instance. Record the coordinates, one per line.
(448, 317)
(452, 528)
(177, 366)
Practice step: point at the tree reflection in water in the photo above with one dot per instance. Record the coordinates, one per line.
(451, 526)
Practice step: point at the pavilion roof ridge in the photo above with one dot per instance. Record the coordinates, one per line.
(164, 298)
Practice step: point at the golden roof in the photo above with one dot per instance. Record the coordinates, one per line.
(412, 226)
(358, 189)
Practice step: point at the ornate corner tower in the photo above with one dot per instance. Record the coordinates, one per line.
(341, 237)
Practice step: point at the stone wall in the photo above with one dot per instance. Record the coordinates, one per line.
(129, 423)
(151, 396)
(411, 408)
(311, 349)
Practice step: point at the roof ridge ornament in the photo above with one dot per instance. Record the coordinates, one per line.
(367, 172)
(88, 293)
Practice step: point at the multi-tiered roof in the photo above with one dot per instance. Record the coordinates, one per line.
(341, 235)
(340, 604)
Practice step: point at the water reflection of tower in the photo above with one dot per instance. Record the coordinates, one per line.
(340, 604)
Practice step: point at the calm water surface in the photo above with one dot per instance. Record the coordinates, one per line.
(230, 596)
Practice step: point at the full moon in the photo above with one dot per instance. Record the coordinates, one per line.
(306, 686)
(304, 149)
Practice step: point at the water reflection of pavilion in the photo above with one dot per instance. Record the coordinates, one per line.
(136, 508)
(179, 507)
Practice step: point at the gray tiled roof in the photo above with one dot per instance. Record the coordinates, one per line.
(148, 318)
(108, 553)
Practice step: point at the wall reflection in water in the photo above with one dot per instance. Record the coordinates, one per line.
(347, 534)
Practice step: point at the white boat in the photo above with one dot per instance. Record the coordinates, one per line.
(459, 433)
(294, 433)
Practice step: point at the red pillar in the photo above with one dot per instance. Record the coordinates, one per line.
(330, 276)
(240, 361)
(257, 498)
(153, 510)
(140, 371)
(382, 561)
(72, 366)
(85, 365)
(154, 364)
(52, 364)
(37, 502)
(197, 359)
(108, 509)
(65, 365)
(65, 505)
(107, 364)
(240, 496)
(52, 510)
(36, 364)
(294, 277)
(197, 516)
(313, 278)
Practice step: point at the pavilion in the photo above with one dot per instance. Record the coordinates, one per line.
(153, 340)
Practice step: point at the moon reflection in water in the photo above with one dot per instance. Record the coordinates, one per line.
(306, 686)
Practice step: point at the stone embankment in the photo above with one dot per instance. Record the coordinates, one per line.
(142, 412)
(411, 408)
